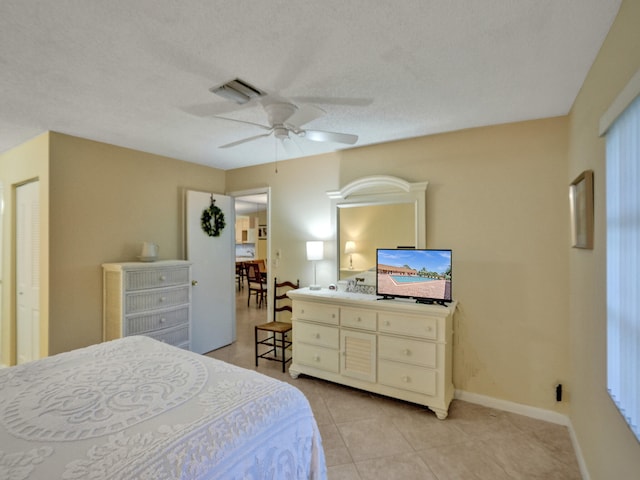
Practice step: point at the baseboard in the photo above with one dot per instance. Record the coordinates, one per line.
(526, 410)
(529, 411)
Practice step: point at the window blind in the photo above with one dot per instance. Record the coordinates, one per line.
(623, 263)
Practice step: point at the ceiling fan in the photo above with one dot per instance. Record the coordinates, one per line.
(286, 120)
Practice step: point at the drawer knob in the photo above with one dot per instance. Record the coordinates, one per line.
(162, 320)
(333, 315)
(317, 335)
(406, 379)
(316, 357)
(407, 352)
(359, 319)
(163, 278)
(387, 323)
(162, 299)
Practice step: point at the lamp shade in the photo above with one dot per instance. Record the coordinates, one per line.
(350, 246)
(315, 250)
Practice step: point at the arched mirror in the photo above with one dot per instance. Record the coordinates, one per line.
(374, 212)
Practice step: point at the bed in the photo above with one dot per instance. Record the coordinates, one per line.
(136, 408)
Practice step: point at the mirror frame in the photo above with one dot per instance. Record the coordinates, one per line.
(379, 190)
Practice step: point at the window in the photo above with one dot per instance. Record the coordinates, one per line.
(623, 263)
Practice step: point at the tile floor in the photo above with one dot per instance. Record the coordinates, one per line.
(367, 436)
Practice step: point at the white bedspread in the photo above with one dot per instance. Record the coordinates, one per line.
(136, 408)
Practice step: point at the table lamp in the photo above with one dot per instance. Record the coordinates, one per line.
(349, 249)
(315, 251)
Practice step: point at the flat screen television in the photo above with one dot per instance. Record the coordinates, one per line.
(421, 274)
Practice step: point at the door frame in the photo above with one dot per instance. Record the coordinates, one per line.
(258, 191)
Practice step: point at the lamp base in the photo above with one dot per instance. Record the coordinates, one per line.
(314, 287)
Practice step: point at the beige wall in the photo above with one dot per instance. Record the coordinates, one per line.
(104, 202)
(498, 197)
(299, 207)
(609, 447)
(24, 163)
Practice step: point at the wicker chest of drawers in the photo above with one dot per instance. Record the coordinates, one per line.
(148, 298)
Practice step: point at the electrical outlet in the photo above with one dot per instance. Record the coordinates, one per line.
(559, 392)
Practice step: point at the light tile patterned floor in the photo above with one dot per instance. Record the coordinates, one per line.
(369, 437)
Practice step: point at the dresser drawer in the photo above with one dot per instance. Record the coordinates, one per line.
(172, 336)
(135, 325)
(316, 334)
(318, 357)
(356, 318)
(407, 377)
(156, 277)
(316, 312)
(413, 326)
(142, 301)
(408, 351)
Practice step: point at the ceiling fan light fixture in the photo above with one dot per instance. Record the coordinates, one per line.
(237, 91)
(280, 132)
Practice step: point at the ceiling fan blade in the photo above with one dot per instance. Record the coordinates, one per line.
(320, 136)
(304, 114)
(264, 127)
(244, 140)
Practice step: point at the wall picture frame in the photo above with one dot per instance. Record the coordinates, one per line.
(581, 208)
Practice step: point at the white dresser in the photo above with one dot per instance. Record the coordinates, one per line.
(148, 298)
(395, 348)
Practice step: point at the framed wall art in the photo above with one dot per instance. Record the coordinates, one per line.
(581, 208)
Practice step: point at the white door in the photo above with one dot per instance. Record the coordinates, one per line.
(28, 272)
(213, 296)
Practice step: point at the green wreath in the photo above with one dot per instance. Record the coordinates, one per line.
(212, 220)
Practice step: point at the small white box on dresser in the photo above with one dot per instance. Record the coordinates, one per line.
(148, 298)
(396, 348)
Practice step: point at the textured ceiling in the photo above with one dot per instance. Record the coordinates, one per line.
(137, 73)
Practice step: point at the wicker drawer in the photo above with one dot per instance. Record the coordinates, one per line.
(153, 300)
(407, 377)
(355, 318)
(318, 357)
(314, 334)
(412, 326)
(135, 325)
(157, 277)
(408, 351)
(318, 313)
(172, 336)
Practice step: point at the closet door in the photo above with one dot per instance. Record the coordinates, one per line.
(28, 271)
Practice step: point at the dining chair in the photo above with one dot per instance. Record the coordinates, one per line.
(257, 284)
(240, 275)
(277, 331)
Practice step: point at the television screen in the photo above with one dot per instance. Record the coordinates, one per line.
(421, 274)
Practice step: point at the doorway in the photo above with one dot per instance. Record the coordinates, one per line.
(252, 244)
